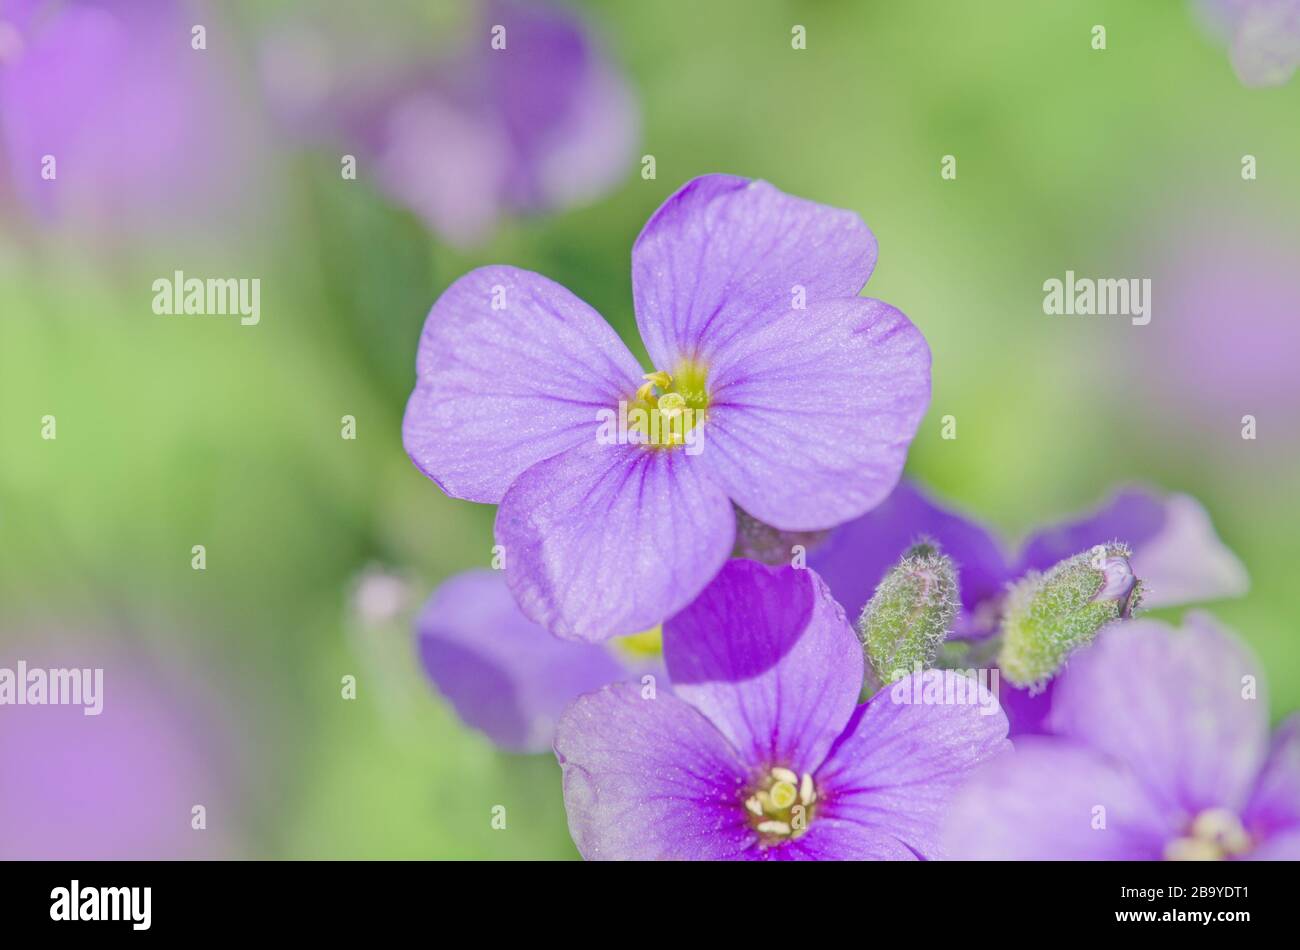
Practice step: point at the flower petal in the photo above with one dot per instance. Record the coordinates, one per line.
(1176, 553)
(605, 540)
(767, 655)
(855, 556)
(833, 839)
(1052, 800)
(1274, 806)
(898, 764)
(650, 779)
(811, 414)
(1169, 704)
(500, 389)
(505, 675)
(723, 252)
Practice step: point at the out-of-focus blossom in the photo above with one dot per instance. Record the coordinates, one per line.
(503, 674)
(543, 122)
(122, 784)
(1263, 37)
(1159, 748)
(776, 388)
(111, 121)
(1222, 345)
(761, 751)
(1174, 552)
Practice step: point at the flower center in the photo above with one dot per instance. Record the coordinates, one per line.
(666, 408)
(781, 807)
(1213, 835)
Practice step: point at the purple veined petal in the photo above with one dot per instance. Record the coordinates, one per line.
(1274, 807)
(898, 764)
(605, 540)
(505, 675)
(1172, 706)
(724, 252)
(650, 779)
(811, 413)
(569, 115)
(854, 558)
(834, 839)
(767, 655)
(499, 390)
(1053, 800)
(1176, 552)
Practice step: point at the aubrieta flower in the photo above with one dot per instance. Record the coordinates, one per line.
(761, 751)
(503, 674)
(1159, 748)
(1174, 551)
(528, 115)
(775, 388)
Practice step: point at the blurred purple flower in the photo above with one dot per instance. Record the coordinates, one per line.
(802, 416)
(1158, 750)
(1264, 37)
(761, 751)
(118, 785)
(544, 123)
(142, 129)
(1176, 554)
(503, 674)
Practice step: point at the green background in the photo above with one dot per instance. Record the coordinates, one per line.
(173, 432)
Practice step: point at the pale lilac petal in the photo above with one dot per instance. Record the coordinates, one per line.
(648, 779)
(1283, 846)
(499, 390)
(855, 556)
(1053, 800)
(899, 763)
(1266, 47)
(768, 656)
(1274, 807)
(724, 253)
(1169, 704)
(1176, 552)
(811, 413)
(505, 675)
(606, 540)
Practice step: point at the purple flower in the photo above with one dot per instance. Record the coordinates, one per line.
(1264, 37)
(761, 750)
(1176, 554)
(110, 119)
(545, 122)
(504, 675)
(119, 785)
(1159, 749)
(801, 417)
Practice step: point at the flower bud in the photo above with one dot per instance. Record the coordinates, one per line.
(909, 615)
(1050, 615)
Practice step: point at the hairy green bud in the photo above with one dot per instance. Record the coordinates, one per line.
(909, 615)
(1048, 616)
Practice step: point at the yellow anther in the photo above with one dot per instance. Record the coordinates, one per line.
(785, 775)
(1214, 834)
(658, 378)
(807, 794)
(754, 805)
(774, 827)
